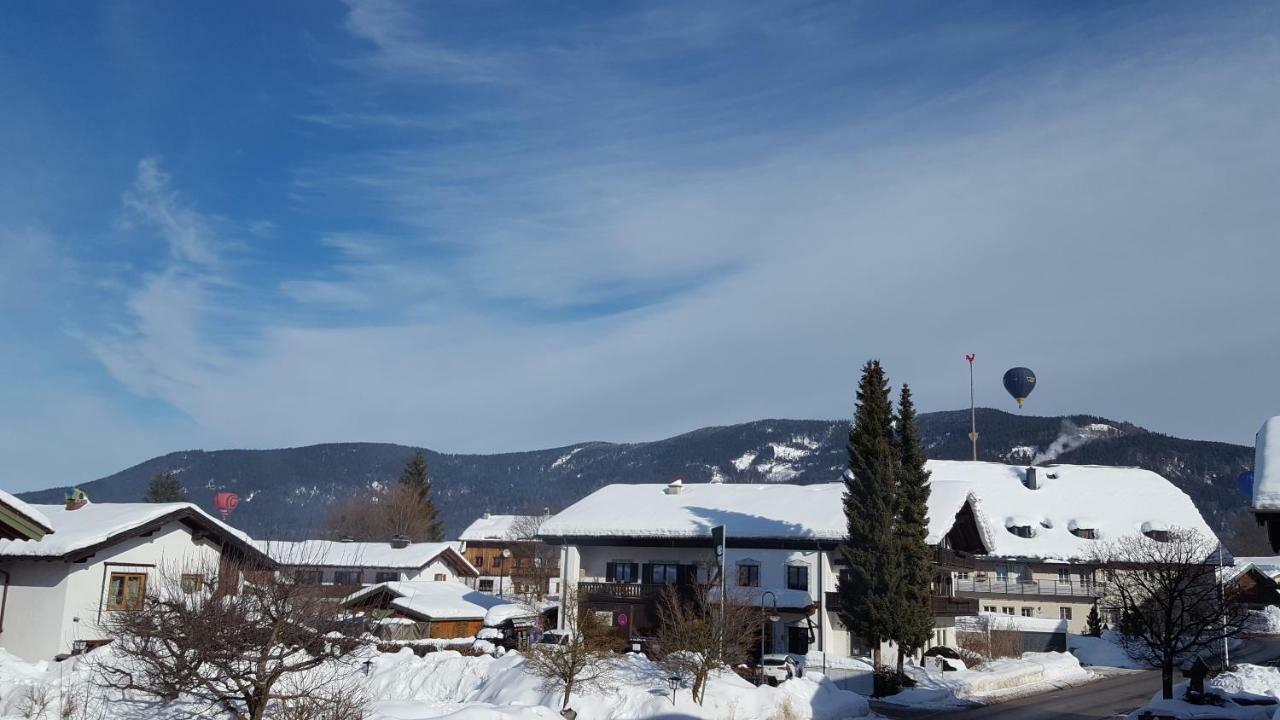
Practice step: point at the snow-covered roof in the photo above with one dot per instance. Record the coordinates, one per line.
(94, 524)
(496, 527)
(1111, 501)
(1266, 466)
(333, 553)
(764, 511)
(22, 508)
(1267, 564)
(433, 600)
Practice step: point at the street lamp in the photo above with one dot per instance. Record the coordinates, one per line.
(502, 568)
(773, 618)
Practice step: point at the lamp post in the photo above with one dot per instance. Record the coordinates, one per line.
(773, 618)
(502, 568)
(674, 681)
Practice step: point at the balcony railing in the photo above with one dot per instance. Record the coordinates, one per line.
(947, 557)
(1014, 586)
(622, 592)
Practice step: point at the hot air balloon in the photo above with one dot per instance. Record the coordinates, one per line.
(226, 502)
(1019, 382)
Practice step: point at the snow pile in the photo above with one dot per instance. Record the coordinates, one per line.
(990, 680)
(1247, 679)
(1102, 651)
(447, 684)
(1244, 688)
(1265, 621)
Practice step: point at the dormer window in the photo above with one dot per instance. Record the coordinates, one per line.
(1085, 528)
(1156, 530)
(1023, 527)
(1022, 531)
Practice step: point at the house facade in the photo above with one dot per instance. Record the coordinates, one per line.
(1030, 542)
(408, 611)
(1008, 540)
(509, 557)
(102, 559)
(347, 566)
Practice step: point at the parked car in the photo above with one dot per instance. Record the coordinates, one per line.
(779, 667)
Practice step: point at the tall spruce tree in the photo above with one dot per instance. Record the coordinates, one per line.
(867, 592)
(414, 476)
(914, 617)
(163, 488)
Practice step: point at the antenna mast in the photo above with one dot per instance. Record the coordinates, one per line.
(973, 415)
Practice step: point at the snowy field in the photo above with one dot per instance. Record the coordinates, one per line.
(447, 684)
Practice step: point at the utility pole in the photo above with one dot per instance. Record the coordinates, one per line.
(973, 414)
(1222, 594)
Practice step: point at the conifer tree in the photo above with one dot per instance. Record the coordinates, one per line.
(164, 488)
(414, 477)
(914, 616)
(1093, 622)
(867, 592)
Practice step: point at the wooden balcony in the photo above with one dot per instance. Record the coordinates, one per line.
(943, 606)
(1042, 588)
(948, 558)
(606, 592)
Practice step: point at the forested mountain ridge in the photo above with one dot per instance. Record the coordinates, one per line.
(288, 492)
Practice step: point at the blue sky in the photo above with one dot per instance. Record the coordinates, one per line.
(498, 226)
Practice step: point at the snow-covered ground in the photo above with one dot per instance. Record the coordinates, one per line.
(446, 684)
(1102, 651)
(1246, 684)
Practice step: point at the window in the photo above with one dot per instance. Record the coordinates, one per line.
(1002, 573)
(1027, 612)
(485, 586)
(989, 608)
(748, 575)
(191, 583)
(664, 573)
(1064, 574)
(479, 561)
(622, 571)
(1064, 613)
(346, 577)
(441, 577)
(125, 591)
(386, 576)
(308, 577)
(797, 577)
(1007, 610)
(1086, 533)
(798, 639)
(962, 574)
(497, 561)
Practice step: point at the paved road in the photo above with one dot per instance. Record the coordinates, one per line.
(1102, 699)
(1106, 698)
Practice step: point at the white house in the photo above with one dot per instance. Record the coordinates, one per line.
(99, 559)
(1025, 540)
(623, 543)
(352, 564)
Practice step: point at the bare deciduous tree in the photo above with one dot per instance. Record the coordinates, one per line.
(533, 562)
(1167, 595)
(582, 660)
(238, 652)
(384, 513)
(694, 636)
